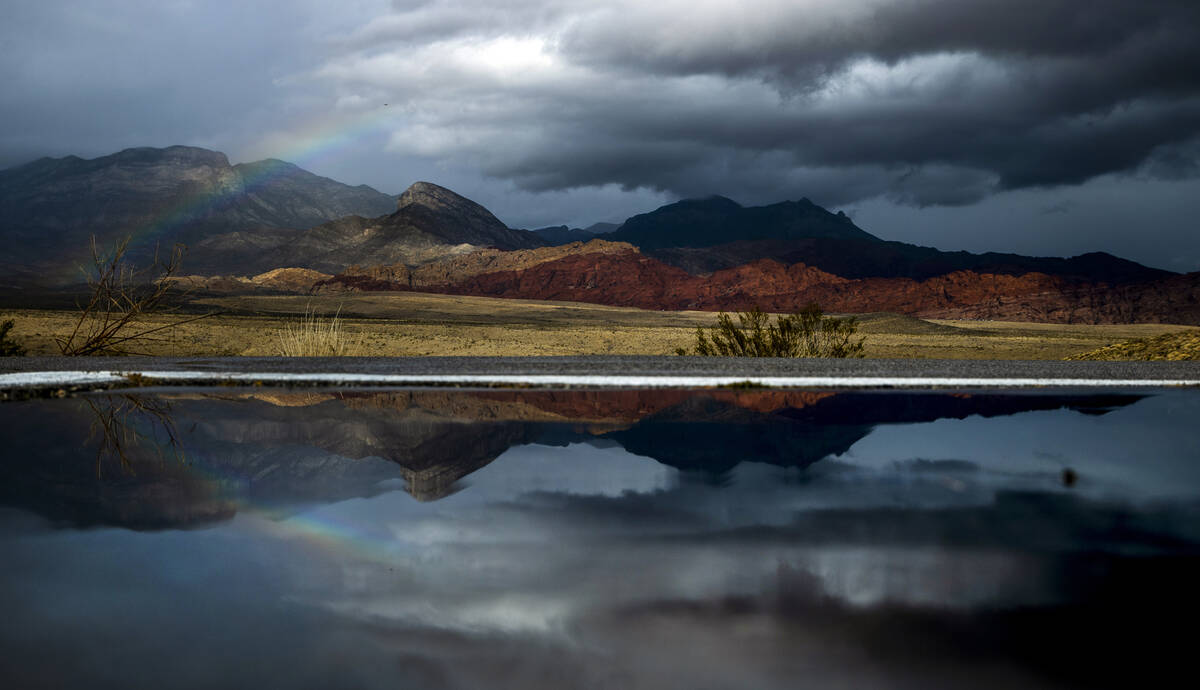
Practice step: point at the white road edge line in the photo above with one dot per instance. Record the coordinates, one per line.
(66, 378)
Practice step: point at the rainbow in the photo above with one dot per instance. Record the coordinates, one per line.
(314, 525)
(325, 532)
(313, 143)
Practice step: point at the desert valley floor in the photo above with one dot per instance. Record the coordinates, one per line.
(406, 324)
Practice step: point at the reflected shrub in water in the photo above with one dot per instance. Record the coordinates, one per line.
(807, 333)
(123, 424)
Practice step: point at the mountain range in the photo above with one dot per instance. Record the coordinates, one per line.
(710, 253)
(50, 208)
(706, 235)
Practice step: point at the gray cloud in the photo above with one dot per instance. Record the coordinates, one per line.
(569, 111)
(926, 102)
(88, 79)
(785, 40)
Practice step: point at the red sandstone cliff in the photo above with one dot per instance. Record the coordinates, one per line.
(628, 278)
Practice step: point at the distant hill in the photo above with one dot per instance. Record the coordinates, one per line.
(601, 228)
(706, 235)
(50, 208)
(718, 220)
(561, 234)
(885, 259)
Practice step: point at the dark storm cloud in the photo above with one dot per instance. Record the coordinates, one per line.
(785, 40)
(570, 111)
(1085, 90)
(1019, 93)
(923, 102)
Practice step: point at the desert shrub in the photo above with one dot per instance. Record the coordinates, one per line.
(119, 295)
(7, 347)
(807, 333)
(314, 336)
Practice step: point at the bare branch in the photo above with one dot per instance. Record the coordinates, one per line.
(119, 295)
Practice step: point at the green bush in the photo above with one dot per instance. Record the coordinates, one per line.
(7, 347)
(807, 333)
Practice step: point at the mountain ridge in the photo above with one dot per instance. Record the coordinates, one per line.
(256, 216)
(51, 207)
(245, 219)
(716, 233)
(429, 223)
(892, 259)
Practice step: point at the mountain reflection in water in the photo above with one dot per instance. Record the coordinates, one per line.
(712, 538)
(108, 459)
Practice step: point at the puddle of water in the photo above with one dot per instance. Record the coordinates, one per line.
(644, 538)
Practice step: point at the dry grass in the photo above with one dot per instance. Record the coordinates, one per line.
(1173, 347)
(892, 336)
(407, 324)
(315, 336)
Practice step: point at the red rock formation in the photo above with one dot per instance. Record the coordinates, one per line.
(459, 267)
(627, 278)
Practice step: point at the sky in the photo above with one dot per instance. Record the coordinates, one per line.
(1047, 127)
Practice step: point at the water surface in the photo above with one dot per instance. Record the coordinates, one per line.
(691, 539)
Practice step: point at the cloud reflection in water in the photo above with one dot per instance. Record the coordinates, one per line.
(940, 547)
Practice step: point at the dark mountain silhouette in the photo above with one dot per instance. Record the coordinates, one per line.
(706, 235)
(601, 228)
(561, 234)
(50, 208)
(714, 436)
(852, 258)
(717, 220)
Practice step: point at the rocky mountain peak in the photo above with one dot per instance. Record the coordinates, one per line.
(459, 210)
(433, 197)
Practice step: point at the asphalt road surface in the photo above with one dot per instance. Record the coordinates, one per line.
(33, 373)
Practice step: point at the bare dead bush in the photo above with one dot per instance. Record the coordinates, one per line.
(121, 295)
